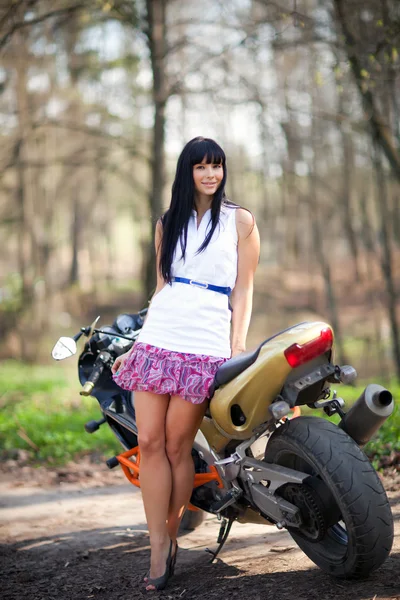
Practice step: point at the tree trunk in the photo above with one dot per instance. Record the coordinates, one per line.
(319, 232)
(75, 237)
(74, 114)
(346, 212)
(107, 217)
(24, 237)
(367, 233)
(318, 243)
(392, 92)
(26, 263)
(157, 40)
(386, 255)
(396, 217)
(292, 204)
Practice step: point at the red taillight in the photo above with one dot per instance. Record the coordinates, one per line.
(297, 355)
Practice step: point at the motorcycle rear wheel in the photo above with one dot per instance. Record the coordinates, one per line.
(361, 539)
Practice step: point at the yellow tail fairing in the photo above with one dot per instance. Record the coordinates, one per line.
(248, 396)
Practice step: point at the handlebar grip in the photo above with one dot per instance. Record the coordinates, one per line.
(87, 389)
(93, 378)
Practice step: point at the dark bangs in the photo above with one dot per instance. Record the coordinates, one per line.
(175, 220)
(208, 149)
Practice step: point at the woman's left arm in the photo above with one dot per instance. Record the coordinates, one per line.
(242, 295)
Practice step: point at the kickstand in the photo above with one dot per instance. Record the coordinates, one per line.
(222, 537)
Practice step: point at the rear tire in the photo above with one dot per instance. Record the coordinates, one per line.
(361, 541)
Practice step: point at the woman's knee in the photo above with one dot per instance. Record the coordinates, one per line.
(178, 449)
(151, 443)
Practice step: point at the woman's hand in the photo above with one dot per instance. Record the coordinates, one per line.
(119, 361)
(236, 351)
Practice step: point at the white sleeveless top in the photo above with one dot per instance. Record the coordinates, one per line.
(187, 318)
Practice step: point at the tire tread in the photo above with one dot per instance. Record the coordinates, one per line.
(354, 483)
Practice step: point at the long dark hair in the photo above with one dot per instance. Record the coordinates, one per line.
(175, 221)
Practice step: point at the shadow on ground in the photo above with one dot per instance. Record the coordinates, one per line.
(53, 495)
(109, 563)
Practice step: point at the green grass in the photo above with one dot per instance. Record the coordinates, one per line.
(43, 413)
(387, 439)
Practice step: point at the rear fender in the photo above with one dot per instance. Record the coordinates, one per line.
(306, 384)
(241, 405)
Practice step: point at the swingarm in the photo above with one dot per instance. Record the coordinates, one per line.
(260, 481)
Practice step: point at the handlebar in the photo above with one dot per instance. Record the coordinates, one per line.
(120, 335)
(88, 331)
(98, 368)
(105, 358)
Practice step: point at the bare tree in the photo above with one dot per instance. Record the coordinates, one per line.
(362, 42)
(386, 259)
(157, 39)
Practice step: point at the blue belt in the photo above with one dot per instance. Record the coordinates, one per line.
(207, 286)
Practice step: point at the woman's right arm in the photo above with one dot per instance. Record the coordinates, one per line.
(158, 243)
(119, 361)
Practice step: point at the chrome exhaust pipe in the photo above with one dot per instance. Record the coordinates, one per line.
(368, 413)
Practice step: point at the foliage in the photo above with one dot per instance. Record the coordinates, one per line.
(386, 443)
(306, 96)
(42, 412)
(11, 293)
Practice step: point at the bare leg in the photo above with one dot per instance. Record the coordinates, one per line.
(182, 423)
(155, 474)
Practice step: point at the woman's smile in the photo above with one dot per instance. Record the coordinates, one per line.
(207, 177)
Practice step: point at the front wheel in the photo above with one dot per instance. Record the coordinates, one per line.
(191, 520)
(347, 525)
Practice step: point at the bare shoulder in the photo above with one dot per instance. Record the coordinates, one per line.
(245, 222)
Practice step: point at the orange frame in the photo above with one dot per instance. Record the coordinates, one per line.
(130, 464)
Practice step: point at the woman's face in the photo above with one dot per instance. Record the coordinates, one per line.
(207, 177)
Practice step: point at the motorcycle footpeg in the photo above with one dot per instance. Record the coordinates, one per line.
(112, 462)
(92, 426)
(230, 498)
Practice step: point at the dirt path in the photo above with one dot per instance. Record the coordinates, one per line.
(78, 535)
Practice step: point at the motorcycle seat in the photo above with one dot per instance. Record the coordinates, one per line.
(234, 366)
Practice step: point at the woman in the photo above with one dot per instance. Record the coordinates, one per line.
(205, 247)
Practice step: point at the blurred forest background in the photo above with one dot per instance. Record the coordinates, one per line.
(98, 97)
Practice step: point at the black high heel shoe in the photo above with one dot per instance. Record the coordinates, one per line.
(172, 567)
(173, 560)
(160, 582)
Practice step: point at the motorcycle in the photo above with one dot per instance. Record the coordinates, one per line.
(257, 458)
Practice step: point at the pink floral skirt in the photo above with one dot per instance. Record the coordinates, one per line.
(152, 369)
